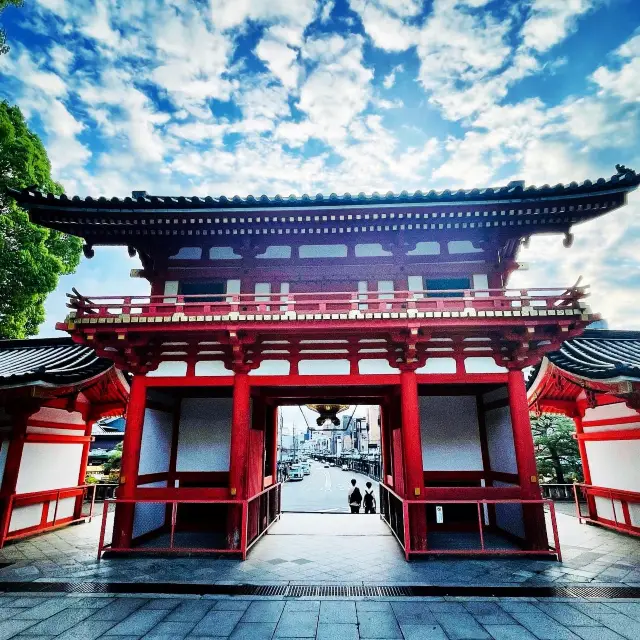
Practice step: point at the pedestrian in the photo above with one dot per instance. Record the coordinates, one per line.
(369, 499)
(355, 497)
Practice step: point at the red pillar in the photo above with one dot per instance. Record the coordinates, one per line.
(11, 471)
(586, 471)
(385, 431)
(274, 443)
(240, 425)
(77, 512)
(123, 524)
(533, 516)
(412, 446)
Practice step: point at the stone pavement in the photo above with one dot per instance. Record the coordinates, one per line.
(173, 618)
(316, 555)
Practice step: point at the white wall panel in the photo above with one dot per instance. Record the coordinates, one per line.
(169, 368)
(4, 449)
(450, 433)
(438, 365)
(147, 517)
(615, 463)
(51, 414)
(205, 434)
(605, 508)
(25, 517)
(608, 411)
(375, 366)
(212, 368)
(502, 452)
(477, 364)
(509, 516)
(272, 368)
(48, 466)
(155, 450)
(323, 367)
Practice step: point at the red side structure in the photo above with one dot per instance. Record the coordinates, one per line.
(51, 393)
(595, 380)
(399, 301)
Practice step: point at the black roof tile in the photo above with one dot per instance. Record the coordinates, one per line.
(48, 361)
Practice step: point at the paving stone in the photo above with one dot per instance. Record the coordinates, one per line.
(219, 623)
(191, 610)
(169, 631)
(333, 631)
(596, 633)
(44, 610)
(373, 605)
(87, 630)
(265, 611)
(413, 613)
(60, 622)
(302, 605)
(89, 603)
(543, 626)
(232, 604)
(163, 603)
(631, 609)
(10, 628)
(336, 612)
(508, 632)
(253, 631)
(625, 626)
(423, 632)
(566, 615)
(460, 626)
(118, 609)
(139, 622)
(9, 612)
(378, 624)
(297, 624)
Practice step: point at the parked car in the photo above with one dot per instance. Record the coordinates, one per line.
(296, 472)
(345, 468)
(306, 468)
(326, 465)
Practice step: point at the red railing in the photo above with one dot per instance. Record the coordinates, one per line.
(86, 493)
(397, 513)
(127, 308)
(256, 516)
(589, 492)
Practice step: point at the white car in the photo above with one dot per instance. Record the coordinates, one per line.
(296, 472)
(345, 468)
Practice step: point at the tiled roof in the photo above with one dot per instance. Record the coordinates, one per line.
(624, 180)
(48, 361)
(599, 355)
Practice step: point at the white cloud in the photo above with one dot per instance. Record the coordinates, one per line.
(325, 12)
(551, 21)
(387, 29)
(281, 59)
(338, 88)
(61, 58)
(390, 79)
(624, 83)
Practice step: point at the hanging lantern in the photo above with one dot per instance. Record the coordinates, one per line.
(328, 413)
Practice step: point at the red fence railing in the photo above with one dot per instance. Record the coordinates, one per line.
(84, 497)
(255, 517)
(398, 513)
(621, 517)
(126, 308)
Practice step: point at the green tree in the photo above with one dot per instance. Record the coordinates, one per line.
(557, 454)
(4, 48)
(112, 465)
(31, 258)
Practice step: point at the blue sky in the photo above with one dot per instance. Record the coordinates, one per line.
(281, 96)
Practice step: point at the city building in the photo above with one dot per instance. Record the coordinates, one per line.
(595, 380)
(52, 392)
(396, 300)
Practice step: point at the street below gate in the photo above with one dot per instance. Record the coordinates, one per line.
(324, 491)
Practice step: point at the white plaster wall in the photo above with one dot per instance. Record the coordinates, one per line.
(51, 414)
(323, 367)
(212, 368)
(323, 251)
(509, 516)
(48, 466)
(502, 452)
(608, 411)
(634, 513)
(615, 463)
(155, 449)
(148, 517)
(371, 250)
(375, 366)
(605, 507)
(56, 432)
(25, 517)
(169, 368)
(438, 365)
(476, 364)
(205, 434)
(66, 507)
(272, 368)
(481, 281)
(171, 288)
(450, 434)
(187, 253)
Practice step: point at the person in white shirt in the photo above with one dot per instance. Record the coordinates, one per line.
(354, 498)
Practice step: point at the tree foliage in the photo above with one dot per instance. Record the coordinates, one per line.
(112, 465)
(4, 48)
(557, 454)
(31, 257)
